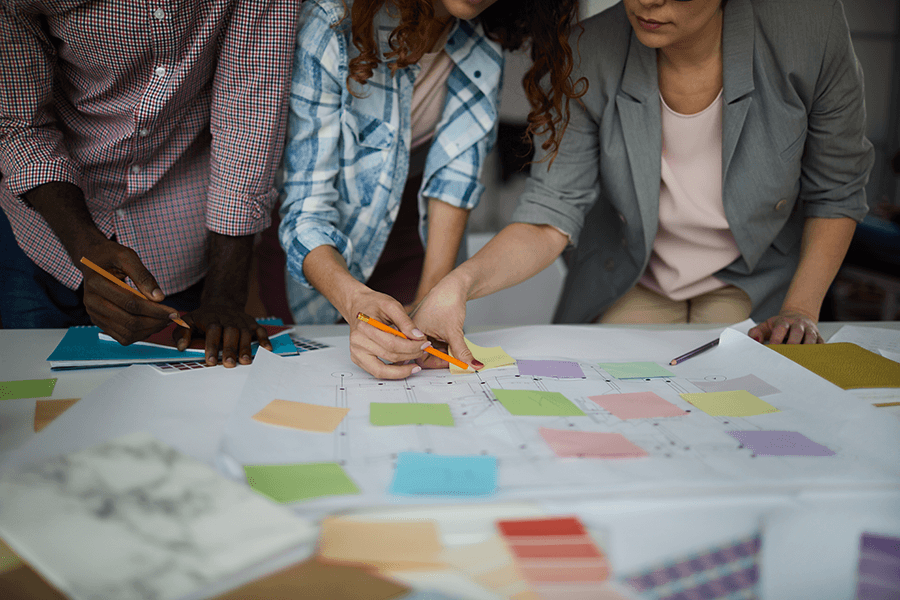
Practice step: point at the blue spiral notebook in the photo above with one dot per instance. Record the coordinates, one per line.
(83, 347)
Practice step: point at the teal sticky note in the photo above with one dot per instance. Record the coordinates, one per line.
(27, 388)
(635, 370)
(290, 483)
(422, 474)
(537, 403)
(405, 413)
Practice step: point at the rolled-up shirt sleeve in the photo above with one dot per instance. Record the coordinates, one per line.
(32, 149)
(311, 160)
(247, 115)
(837, 157)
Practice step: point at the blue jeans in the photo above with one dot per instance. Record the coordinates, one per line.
(32, 298)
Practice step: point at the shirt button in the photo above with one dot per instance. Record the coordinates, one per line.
(781, 204)
(144, 132)
(135, 168)
(120, 212)
(610, 264)
(160, 71)
(159, 14)
(477, 74)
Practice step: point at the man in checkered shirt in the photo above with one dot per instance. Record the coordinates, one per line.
(145, 137)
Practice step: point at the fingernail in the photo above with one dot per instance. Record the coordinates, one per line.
(477, 363)
(246, 357)
(182, 344)
(230, 362)
(416, 369)
(418, 333)
(425, 345)
(158, 295)
(173, 316)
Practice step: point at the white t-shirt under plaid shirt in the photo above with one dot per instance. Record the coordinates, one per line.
(168, 114)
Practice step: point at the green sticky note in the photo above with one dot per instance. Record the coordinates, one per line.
(634, 370)
(740, 403)
(537, 403)
(27, 388)
(290, 483)
(404, 413)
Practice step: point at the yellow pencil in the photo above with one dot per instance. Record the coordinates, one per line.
(429, 349)
(100, 270)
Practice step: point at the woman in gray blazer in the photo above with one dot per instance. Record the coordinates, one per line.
(783, 183)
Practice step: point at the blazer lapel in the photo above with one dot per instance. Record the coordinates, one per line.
(737, 75)
(638, 105)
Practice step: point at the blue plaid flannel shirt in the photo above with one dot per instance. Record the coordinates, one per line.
(346, 158)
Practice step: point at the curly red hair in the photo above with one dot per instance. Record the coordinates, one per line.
(545, 24)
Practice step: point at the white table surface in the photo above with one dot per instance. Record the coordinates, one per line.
(624, 525)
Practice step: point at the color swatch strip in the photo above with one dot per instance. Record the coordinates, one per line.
(879, 567)
(726, 572)
(555, 553)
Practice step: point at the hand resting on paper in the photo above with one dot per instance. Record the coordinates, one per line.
(787, 327)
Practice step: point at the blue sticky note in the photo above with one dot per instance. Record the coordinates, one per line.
(422, 474)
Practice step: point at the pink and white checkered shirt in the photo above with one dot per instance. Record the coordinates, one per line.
(168, 114)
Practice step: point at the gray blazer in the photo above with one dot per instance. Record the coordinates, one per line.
(793, 146)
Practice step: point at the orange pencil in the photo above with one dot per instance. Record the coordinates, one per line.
(429, 349)
(98, 269)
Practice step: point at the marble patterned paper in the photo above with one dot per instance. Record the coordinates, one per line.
(135, 519)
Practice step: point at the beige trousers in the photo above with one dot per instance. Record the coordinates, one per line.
(641, 305)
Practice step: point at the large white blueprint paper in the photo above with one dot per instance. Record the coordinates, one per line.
(686, 454)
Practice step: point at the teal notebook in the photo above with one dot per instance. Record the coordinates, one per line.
(82, 347)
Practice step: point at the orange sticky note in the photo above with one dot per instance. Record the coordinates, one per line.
(300, 415)
(45, 411)
(381, 545)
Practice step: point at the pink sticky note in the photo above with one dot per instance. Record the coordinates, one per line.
(590, 444)
(638, 405)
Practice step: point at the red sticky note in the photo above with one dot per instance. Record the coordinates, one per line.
(590, 444)
(638, 405)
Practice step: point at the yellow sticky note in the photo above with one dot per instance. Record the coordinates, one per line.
(300, 415)
(740, 403)
(491, 357)
(381, 545)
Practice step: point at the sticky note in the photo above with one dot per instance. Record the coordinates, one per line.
(550, 368)
(27, 388)
(738, 403)
(46, 411)
(300, 415)
(405, 413)
(381, 545)
(423, 474)
(780, 443)
(637, 405)
(290, 483)
(537, 403)
(635, 370)
(491, 357)
(750, 383)
(590, 444)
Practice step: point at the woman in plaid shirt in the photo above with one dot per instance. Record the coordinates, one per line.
(393, 109)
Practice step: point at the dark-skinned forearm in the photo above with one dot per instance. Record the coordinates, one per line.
(229, 269)
(63, 207)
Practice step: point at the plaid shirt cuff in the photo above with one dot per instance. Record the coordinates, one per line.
(33, 175)
(240, 215)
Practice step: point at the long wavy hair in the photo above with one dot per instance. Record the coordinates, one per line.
(543, 25)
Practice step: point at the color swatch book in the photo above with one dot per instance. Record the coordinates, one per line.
(83, 347)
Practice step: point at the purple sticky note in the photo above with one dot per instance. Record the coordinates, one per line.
(879, 567)
(550, 368)
(780, 443)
